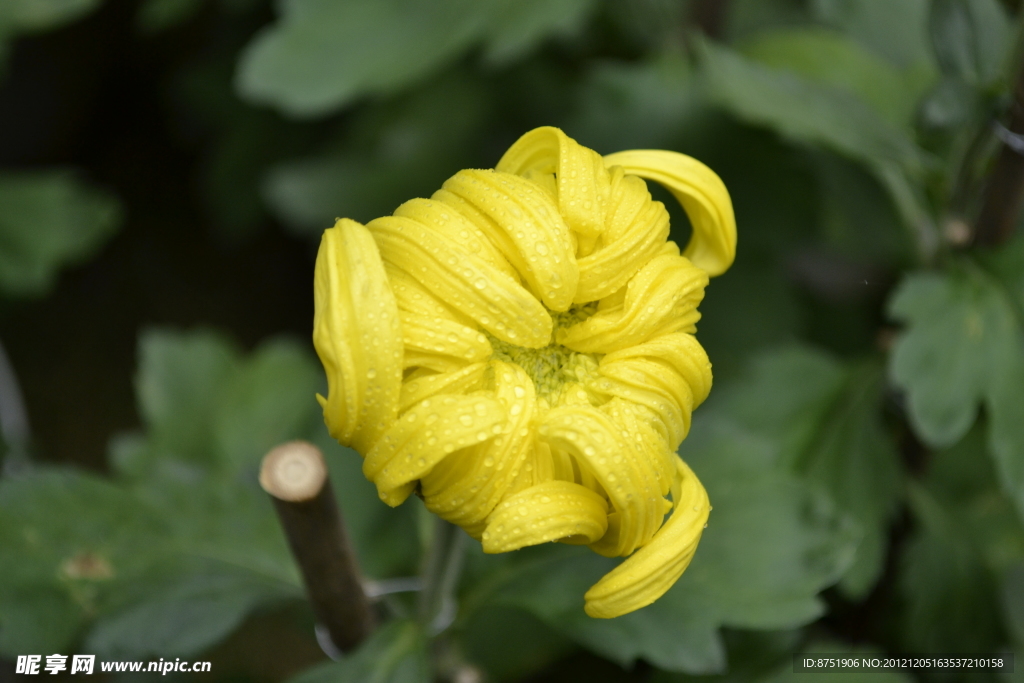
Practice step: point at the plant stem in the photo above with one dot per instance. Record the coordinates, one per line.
(441, 572)
(295, 476)
(1004, 191)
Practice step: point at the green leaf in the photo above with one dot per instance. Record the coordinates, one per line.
(825, 419)
(180, 384)
(954, 39)
(747, 18)
(964, 478)
(995, 31)
(321, 54)
(270, 400)
(969, 38)
(520, 25)
(550, 582)
(511, 644)
(950, 595)
(954, 325)
(184, 613)
(395, 653)
(159, 15)
(963, 346)
(805, 111)
(829, 57)
(969, 539)
(855, 459)
(24, 16)
(778, 541)
(38, 619)
(50, 219)
(65, 538)
(820, 115)
(895, 29)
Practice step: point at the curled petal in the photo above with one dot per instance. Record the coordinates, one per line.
(444, 219)
(441, 345)
(637, 230)
(357, 335)
(466, 487)
(701, 193)
(550, 511)
(645, 576)
(639, 427)
(660, 299)
(426, 434)
(529, 220)
(412, 297)
(464, 281)
(670, 375)
(581, 178)
(594, 440)
(423, 384)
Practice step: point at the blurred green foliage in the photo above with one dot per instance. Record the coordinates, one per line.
(863, 446)
(50, 217)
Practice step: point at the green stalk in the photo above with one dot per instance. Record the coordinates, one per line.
(443, 566)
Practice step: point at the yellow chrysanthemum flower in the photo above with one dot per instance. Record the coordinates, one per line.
(519, 350)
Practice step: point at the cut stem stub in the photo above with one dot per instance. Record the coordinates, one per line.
(295, 476)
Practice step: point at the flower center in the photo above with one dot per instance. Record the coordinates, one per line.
(560, 375)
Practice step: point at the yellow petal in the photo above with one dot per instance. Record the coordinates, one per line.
(593, 439)
(357, 335)
(441, 345)
(644, 458)
(426, 434)
(463, 281)
(671, 375)
(412, 297)
(639, 427)
(637, 229)
(423, 385)
(550, 511)
(581, 177)
(526, 215)
(465, 487)
(645, 576)
(661, 298)
(444, 219)
(701, 193)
